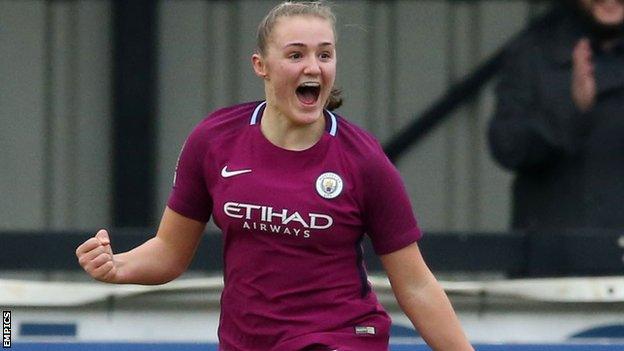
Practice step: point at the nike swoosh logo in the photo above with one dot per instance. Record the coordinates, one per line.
(226, 174)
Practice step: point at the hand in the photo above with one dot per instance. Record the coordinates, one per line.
(96, 257)
(583, 79)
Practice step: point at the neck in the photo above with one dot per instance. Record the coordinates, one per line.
(281, 131)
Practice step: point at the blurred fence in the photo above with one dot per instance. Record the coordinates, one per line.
(516, 254)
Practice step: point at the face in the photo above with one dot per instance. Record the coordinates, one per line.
(605, 12)
(298, 67)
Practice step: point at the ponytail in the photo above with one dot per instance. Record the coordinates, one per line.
(335, 99)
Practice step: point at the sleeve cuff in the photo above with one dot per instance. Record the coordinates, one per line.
(185, 210)
(400, 242)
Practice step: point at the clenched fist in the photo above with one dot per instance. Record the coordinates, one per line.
(96, 257)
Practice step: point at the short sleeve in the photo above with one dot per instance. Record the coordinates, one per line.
(389, 219)
(189, 196)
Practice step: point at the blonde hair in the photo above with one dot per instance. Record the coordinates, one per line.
(318, 9)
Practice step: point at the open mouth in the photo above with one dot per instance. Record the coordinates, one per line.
(308, 92)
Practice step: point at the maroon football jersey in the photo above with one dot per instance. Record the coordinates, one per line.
(293, 223)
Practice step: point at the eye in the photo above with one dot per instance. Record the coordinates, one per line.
(325, 55)
(295, 55)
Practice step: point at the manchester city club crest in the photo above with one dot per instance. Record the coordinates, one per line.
(329, 185)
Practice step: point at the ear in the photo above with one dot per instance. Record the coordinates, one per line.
(258, 65)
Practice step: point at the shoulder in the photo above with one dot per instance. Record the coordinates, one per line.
(361, 146)
(353, 135)
(358, 140)
(227, 119)
(529, 43)
(222, 123)
(551, 40)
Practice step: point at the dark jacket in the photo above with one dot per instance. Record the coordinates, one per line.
(569, 166)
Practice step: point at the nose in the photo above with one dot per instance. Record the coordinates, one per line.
(312, 66)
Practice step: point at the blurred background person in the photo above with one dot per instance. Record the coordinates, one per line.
(559, 120)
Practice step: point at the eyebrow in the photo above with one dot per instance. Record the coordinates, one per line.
(297, 44)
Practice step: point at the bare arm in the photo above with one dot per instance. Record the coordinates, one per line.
(423, 300)
(159, 260)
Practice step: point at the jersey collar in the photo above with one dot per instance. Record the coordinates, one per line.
(331, 127)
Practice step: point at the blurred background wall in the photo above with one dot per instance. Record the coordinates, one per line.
(395, 59)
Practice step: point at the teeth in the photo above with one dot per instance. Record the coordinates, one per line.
(310, 84)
